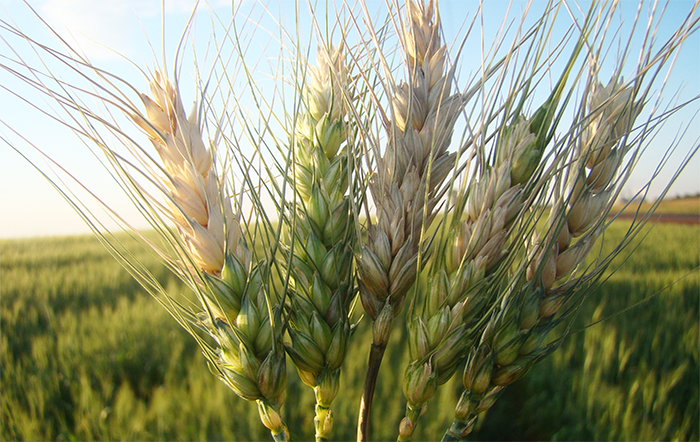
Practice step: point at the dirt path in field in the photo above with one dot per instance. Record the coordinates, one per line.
(675, 218)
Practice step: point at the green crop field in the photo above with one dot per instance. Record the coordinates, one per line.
(689, 205)
(87, 355)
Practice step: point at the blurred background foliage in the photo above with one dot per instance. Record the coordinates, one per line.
(88, 355)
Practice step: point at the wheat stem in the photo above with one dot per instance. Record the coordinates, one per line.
(374, 362)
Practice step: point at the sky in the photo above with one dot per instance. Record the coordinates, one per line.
(111, 33)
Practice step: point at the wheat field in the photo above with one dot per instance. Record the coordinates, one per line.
(88, 355)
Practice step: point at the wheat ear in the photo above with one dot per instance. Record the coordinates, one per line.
(406, 185)
(323, 285)
(513, 340)
(441, 333)
(251, 359)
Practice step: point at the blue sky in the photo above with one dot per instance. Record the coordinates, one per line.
(29, 206)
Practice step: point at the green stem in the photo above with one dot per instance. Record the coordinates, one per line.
(459, 429)
(323, 423)
(412, 415)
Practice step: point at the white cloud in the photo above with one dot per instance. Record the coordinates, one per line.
(101, 27)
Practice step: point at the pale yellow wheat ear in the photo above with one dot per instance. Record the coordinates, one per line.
(198, 204)
(236, 312)
(611, 113)
(406, 185)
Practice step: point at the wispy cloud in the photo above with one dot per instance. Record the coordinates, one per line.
(101, 29)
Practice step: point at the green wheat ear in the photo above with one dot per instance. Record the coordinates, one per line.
(322, 234)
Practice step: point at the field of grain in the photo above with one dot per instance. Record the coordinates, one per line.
(684, 210)
(87, 355)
